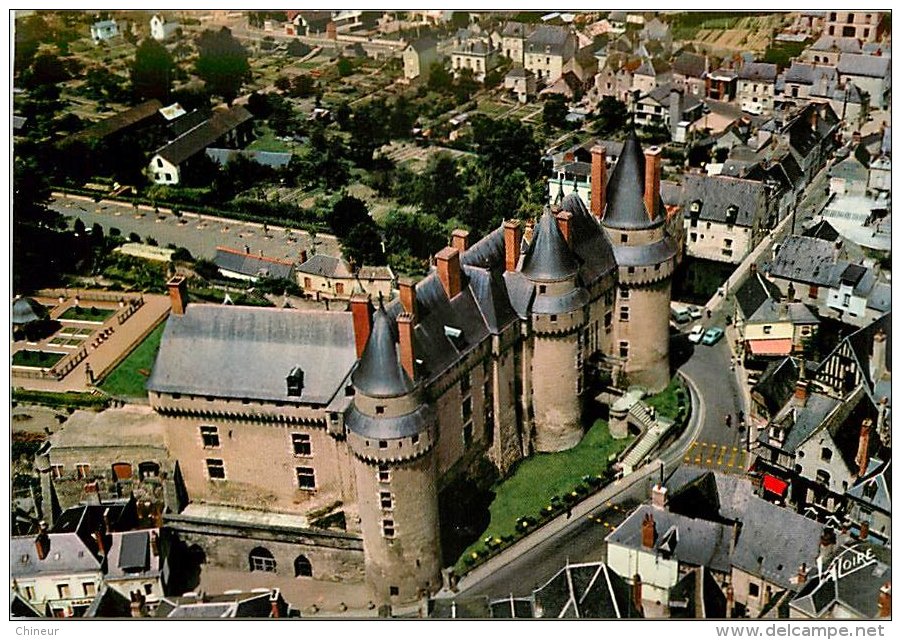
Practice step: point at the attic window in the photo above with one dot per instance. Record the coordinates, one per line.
(453, 332)
(295, 381)
(695, 206)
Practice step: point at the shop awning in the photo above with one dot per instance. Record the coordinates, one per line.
(774, 485)
(780, 347)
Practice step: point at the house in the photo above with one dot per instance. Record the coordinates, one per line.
(669, 107)
(856, 584)
(811, 136)
(547, 50)
(259, 603)
(513, 37)
(861, 25)
(657, 31)
(475, 54)
(161, 29)
(650, 75)
(568, 86)
(134, 564)
(846, 99)
(243, 265)
(772, 390)
(419, 56)
(104, 30)
(751, 295)
(721, 84)
(143, 115)
(868, 503)
(227, 126)
(778, 329)
(328, 277)
(521, 82)
(871, 74)
(690, 73)
(851, 175)
(616, 82)
(800, 78)
(827, 50)
(310, 23)
(756, 89)
(725, 218)
(808, 22)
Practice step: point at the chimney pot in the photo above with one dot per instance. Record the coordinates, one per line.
(801, 392)
(598, 181)
(362, 319)
(42, 544)
(512, 244)
(863, 447)
(659, 497)
(407, 287)
(864, 530)
(460, 240)
(448, 265)
(648, 531)
(652, 181)
(885, 600)
(178, 294)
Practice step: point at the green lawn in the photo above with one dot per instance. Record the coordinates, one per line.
(666, 402)
(43, 359)
(545, 475)
(93, 314)
(268, 141)
(129, 377)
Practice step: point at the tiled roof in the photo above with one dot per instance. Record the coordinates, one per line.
(625, 191)
(204, 135)
(853, 64)
(380, 374)
(758, 71)
(250, 265)
(120, 121)
(718, 194)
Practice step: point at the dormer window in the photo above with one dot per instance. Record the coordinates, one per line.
(295, 382)
(731, 214)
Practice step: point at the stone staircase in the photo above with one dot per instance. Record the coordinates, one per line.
(653, 429)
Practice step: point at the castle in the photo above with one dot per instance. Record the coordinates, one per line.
(286, 422)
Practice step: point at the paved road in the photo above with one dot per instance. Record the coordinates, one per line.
(201, 235)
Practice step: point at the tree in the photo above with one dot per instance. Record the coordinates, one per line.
(47, 69)
(439, 190)
(360, 239)
(222, 63)
(506, 145)
(417, 234)
(283, 83)
(611, 116)
(555, 111)
(152, 71)
(345, 67)
(440, 79)
(302, 86)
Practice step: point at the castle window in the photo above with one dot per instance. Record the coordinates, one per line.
(383, 444)
(348, 390)
(467, 434)
(753, 590)
(261, 559)
(215, 469)
(89, 588)
(631, 269)
(465, 384)
(303, 568)
(624, 293)
(415, 438)
(210, 436)
(542, 288)
(623, 349)
(826, 454)
(624, 237)
(394, 591)
(63, 590)
(306, 478)
(388, 528)
(384, 473)
(624, 314)
(302, 444)
(553, 317)
(467, 409)
(82, 471)
(385, 499)
(379, 410)
(823, 477)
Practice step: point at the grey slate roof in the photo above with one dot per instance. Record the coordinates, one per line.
(822, 230)
(324, 265)
(777, 384)
(753, 292)
(239, 605)
(514, 30)
(875, 488)
(803, 259)
(511, 608)
(27, 310)
(203, 135)
(808, 419)
(382, 428)
(68, 554)
(188, 121)
(549, 258)
(758, 71)
(590, 242)
(548, 38)
(880, 298)
(380, 374)
(690, 65)
(772, 311)
(717, 194)
(661, 94)
(424, 44)
(625, 191)
(831, 43)
(245, 352)
(684, 596)
(854, 64)
(250, 265)
(271, 159)
(120, 121)
(806, 73)
(590, 590)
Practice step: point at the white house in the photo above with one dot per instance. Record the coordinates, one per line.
(160, 28)
(104, 30)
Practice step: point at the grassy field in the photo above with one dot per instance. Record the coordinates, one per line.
(92, 314)
(268, 141)
(666, 402)
(43, 359)
(545, 475)
(129, 377)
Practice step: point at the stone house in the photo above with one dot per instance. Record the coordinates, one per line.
(650, 75)
(104, 30)
(871, 74)
(827, 50)
(800, 79)
(418, 57)
(756, 89)
(868, 503)
(778, 329)
(328, 277)
(547, 50)
(475, 54)
(861, 25)
(690, 73)
(513, 37)
(521, 82)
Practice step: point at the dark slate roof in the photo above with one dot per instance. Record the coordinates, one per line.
(687, 594)
(424, 44)
(271, 159)
(510, 608)
(134, 553)
(823, 231)
(188, 121)
(120, 121)
(772, 311)
(475, 607)
(758, 71)
(250, 265)
(514, 30)
(861, 343)
(652, 68)
(690, 65)
(549, 258)
(203, 135)
(831, 43)
(806, 73)
(854, 64)
(67, 554)
(625, 191)
(808, 419)
(662, 95)
(590, 242)
(802, 137)
(856, 590)
(875, 488)
(380, 374)
(327, 266)
(228, 605)
(777, 384)
(27, 310)
(753, 292)
(546, 37)
(382, 428)
(590, 590)
(248, 352)
(109, 603)
(803, 259)
(717, 194)
(880, 298)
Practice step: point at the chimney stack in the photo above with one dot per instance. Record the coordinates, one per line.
(648, 531)
(273, 605)
(802, 573)
(885, 600)
(652, 180)
(405, 337)
(100, 539)
(864, 529)
(42, 541)
(512, 244)
(154, 544)
(801, 392)
(407, 288)
(636, 593)
(877, 359)
(178, 294)
(564, 223)
(448, 264)
(659, 498)
(598, 181)
(303, 256)
(362, 318)
(863, 448)
(137, 604)
(460, 240)
(730, 600)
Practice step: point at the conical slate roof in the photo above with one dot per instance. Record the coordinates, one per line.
(379, 374)
(625, 191)
(549, 258)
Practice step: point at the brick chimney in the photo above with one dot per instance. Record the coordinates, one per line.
(652, 180)
(885, 600)
(460, 240)
(863, 447)
(659, 499)
(648, 531)
(100, 539)
(864, 530)
(565, 223)
(303, 256)
(178, 294)
(730, 600)
(802, 390)
(42, 541)
(405, 337)
(448, 265)
(154, 544)
(598, 181)
(407, 288)
(512, 244)
(137, 604)
(362, 317)
(877, 358)
(802, 573)
(273, 605)
(636, 593)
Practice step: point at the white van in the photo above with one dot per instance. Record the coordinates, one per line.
(680, 315)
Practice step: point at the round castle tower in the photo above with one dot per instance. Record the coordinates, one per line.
(559, 315)
(392, 435)
(634, 219)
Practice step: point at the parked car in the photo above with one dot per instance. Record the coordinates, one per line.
(680, 314)
(694, 312)
(712, 335)
(696, 333)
